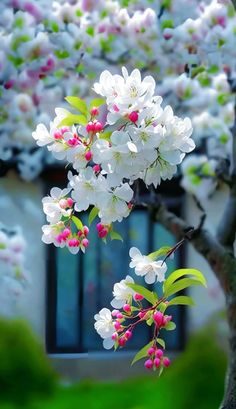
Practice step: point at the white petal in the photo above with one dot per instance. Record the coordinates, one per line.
(108, 343)
(133, 252)
(150, 277)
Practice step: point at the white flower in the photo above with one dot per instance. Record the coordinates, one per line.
(105, 327)
(87, 188)
(113, 205)
(50, 233)
(151, 270)
(42, 136)
(122, 292)
(54, 207)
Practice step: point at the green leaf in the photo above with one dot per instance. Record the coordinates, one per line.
(170, 326)
(148, 295)
(149, 321)
(2, 246)
(90, 31)
(142, 353)
(181, 300)
(115, 236)
(73, 119)
(180, 285)
(161, 342)
(92, 215)
(77, 222)
(161, 252)
(77, 103)
(105, 135)
(61, 54)
(183, 272)
(97, 102)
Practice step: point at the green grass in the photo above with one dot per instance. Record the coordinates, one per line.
(194, 381)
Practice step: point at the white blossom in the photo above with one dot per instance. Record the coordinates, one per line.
(152, 271)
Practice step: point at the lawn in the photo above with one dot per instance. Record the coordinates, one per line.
(194, 381)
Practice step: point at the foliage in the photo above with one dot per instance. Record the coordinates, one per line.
(196, 381)
(25, 371)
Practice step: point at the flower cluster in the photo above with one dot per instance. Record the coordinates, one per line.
(135, 304)
(138, 139)
(13, 275)
(51, 51)
(48, 51)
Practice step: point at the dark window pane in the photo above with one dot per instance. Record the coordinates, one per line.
(67, 299)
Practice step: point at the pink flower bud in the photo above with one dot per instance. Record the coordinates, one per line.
(63, 203)
(159, 353)
(127, 308)
(115, 107)
(64, 129)
(80, 233)
(98, 127)
(157, 362)
(85, 242)
(59, 238)
(128, 334)
(73, 142)
(119, 315)
(90, 127)
(151, 351)
(70, 202)
(138, 297)
(88, 156)
(117, 325)
(166, 362)
(57, 135)
(141, 314)
(96, 168)
(114, 313)
(158, 318)
(50, 63)
(9, 84)
(102, 233)
(99, 227)
(166, 319)
(94, 111)
(66, 233)
(86, 230)
(122, 341)
(73, 242)
(148, 364)
(114, 336)
(133, 116)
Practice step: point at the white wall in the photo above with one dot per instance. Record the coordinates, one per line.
(20, 204)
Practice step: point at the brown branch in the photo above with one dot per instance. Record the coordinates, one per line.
(202, 240)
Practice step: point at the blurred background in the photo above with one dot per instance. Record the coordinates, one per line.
(50, 355)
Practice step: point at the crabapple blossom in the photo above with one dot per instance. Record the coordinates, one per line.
(121, 292)
(104, 326)
(152, 271)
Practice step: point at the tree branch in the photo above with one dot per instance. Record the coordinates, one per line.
(202, 240)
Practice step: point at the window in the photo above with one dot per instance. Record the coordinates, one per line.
(79, 286)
